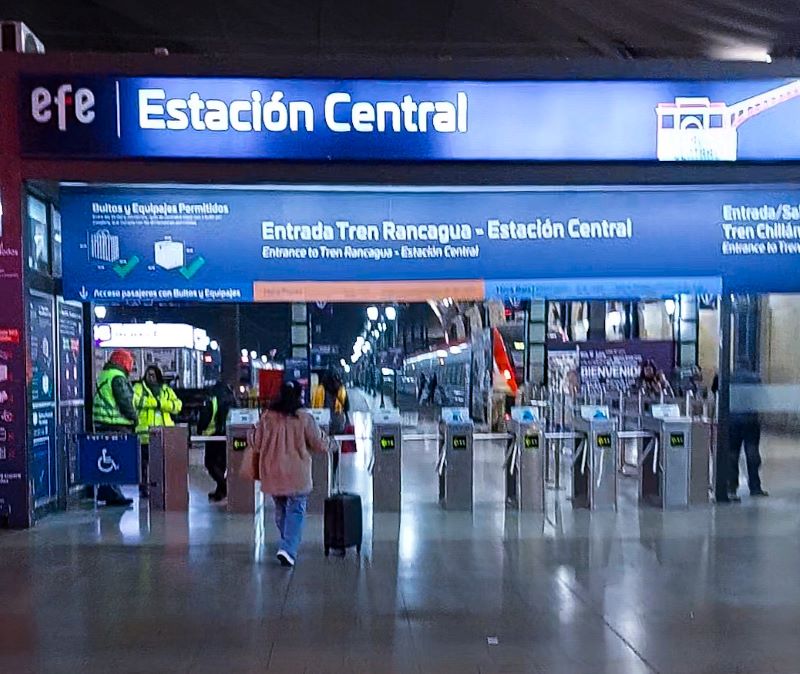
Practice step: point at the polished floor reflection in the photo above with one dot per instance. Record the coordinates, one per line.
(708, 590)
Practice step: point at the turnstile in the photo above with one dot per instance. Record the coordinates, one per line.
(594, 462)
(666, 465)
(525, 462)
(168, 469)
(700, 461)
(455, 466)
(321, 465)
(241, 491)
(386, 464)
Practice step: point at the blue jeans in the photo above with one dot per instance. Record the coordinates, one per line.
(290, 512)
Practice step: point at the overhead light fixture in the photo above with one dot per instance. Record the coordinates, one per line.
(253, 355)
(372, 313)
(100, 312)
(354, 358)
(263, 358)
(214, 345)
(366, 347)
(669, 307)
(741, 52)
(441, 353)
(244, 353)
(390, 313)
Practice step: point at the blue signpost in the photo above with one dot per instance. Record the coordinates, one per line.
(227, 245)
(108, 458)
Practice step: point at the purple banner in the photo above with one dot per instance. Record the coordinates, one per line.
(613, 366)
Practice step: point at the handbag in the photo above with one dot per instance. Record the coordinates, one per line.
(348, 446)
(251, 461)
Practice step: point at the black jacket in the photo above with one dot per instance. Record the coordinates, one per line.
(225, 401)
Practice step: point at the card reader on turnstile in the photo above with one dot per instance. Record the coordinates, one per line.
(666, 461)
(455, 459)
(594, 469)
(387, 449)
(525, 461)
(241, 491)
(321, 466)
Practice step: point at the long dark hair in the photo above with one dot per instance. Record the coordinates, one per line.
(331, 383)
(289, 400)
(155, 370)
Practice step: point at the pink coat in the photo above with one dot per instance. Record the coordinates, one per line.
(285, 444)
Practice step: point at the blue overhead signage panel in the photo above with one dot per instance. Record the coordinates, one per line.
(197, 244)
(415, 120)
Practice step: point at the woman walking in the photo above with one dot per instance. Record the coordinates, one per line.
(284, 440)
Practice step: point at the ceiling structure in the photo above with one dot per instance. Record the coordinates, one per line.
(724, 29)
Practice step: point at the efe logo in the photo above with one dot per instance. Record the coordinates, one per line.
(81, 104)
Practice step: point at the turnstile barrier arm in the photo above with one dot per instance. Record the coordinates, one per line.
(512, 456)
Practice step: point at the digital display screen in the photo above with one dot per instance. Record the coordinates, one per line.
(677, 440)
(459, 442)
(531, 442)
(239, 444)
(387, 443)
(604, 439)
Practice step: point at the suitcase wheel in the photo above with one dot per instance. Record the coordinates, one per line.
(327, 551)
(358, 550)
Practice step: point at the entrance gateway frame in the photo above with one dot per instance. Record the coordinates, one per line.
(19, 174)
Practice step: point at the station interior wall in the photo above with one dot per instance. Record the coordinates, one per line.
(780, 349)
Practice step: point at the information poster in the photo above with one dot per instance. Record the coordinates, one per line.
(70, 353)
(44, 468)
(40, 345)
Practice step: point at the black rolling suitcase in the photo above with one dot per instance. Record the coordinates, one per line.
(343, 519)
(343, 522)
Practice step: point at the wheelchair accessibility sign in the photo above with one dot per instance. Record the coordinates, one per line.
(108, 458)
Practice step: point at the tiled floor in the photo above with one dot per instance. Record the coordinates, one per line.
(708, 590)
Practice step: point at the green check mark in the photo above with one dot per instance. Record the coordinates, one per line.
(189, 270)
(124, 269)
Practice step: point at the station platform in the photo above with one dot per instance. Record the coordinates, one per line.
(711, 589)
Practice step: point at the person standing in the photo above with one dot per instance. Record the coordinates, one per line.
(284, 440)
(155, 403)
(113, 412)
(745, 432)
(331, 394)
(212, 421)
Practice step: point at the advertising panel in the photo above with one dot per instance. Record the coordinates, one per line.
(14, 510)
(418, 120)
(611, 366)
(70, 353)
(205, 245)
(41, 348)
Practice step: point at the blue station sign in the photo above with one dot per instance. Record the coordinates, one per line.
(309, 244)
(413, 120)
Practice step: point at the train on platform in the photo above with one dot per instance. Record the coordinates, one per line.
(454, 375)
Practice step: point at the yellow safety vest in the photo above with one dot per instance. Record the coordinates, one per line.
(152, 411)
(105, 409)
(211, 429)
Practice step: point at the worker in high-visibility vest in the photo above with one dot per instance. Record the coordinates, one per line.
(155, 403)
(211, 423)
(113, 412)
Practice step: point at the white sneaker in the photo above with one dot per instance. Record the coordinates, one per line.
(285, 558)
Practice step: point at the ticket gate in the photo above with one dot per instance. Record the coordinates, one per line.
(455, 466)
(168, 469)
(666, 464)
(241, 491)
(700, 474)
(525, 461)
(594, 462)
(321, 466)
(386, 463)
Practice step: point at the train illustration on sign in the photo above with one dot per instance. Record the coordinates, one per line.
(698, 129)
